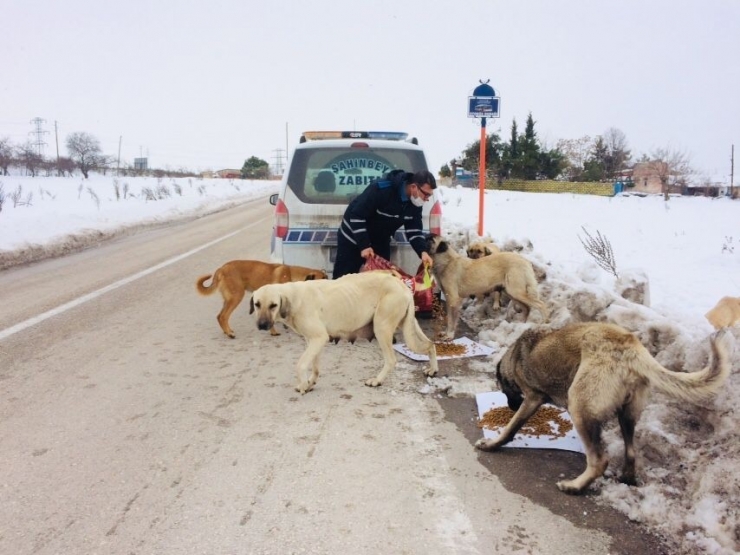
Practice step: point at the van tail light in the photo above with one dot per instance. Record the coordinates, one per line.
(435, 218)
(281, 220)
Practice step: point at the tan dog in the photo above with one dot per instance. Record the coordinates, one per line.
(479, 249)
(365, 305)
(235, 278)
(460, 277)
(725, 313)
(595, 370)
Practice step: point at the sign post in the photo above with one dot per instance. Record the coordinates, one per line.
(483, 104)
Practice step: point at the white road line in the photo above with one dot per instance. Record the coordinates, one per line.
(113, 286)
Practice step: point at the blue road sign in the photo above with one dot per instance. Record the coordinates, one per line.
(483, 106)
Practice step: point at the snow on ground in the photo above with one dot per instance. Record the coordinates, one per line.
(675, 260)
(45, 216)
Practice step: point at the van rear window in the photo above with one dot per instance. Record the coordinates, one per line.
(337, 175)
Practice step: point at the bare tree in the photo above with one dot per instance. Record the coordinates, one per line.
(85, 150)
(576, 152)
(65, 166)
(672, 167)
(30, 158)
(7, 152)
(618, 151)
(104, 163)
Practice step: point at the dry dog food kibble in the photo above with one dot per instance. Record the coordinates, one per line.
(547, 421)
(448, 348)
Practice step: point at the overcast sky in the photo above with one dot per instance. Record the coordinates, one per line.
(208, 84)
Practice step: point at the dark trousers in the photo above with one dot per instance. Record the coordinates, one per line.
(349, 260)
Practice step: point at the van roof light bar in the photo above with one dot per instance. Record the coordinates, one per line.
(387, 135)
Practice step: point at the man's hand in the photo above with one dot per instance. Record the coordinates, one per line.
(367, 253)
(427, 260)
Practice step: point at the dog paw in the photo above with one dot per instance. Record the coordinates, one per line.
(304, 388)
(430, 372)
(232, 335)
(566, 486)
(373, 382)
(486, 444)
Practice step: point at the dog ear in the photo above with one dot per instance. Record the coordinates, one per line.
(284, 307)
(488, 251)
(442, 246)
(310, 277)
(251, 304)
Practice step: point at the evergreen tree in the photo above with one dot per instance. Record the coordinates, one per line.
(551, 163)
(521, 157)
(529, 152)
(471, 155)
(596, 164)
(255, 168)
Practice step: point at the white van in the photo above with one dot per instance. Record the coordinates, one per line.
(327, 170)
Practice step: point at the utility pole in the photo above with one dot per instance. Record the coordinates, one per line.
(39, 132)
(56, 137)
(286, 144)
(118, 164)
(732, 172)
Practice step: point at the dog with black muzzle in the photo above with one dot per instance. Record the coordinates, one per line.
(366, 305)
(459, 277)
(596, 371)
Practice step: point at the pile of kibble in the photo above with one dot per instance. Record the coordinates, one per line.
(547, 421)
(448, 348)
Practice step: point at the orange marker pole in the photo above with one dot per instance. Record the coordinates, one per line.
(481, 175)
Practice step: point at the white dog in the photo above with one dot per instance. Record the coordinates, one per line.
(369, 304)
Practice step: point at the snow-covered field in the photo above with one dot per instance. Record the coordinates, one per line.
(685, 252)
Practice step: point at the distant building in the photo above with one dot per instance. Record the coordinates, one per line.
(646, 178)
(141, 164)
(709, 186)
(229, 174)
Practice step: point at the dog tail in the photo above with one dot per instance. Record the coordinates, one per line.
(207, 290)
(415, 338)
(693, 387)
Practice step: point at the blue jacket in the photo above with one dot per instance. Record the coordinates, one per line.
(374, 216)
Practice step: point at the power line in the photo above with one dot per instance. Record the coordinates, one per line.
(278, 158)
(39, 143)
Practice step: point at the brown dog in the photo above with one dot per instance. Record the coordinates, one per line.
(725, 313)
(235, 278)
(596, 371)
(459, 277)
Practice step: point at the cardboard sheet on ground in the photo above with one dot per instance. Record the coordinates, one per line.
(494, 399)
(472, 349)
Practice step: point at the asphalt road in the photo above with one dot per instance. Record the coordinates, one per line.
(129, 424)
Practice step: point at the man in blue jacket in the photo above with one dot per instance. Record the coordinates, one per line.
(373, 217)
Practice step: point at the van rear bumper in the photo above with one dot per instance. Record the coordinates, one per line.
(317, 248)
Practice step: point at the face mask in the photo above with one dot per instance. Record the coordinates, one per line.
(416, 201)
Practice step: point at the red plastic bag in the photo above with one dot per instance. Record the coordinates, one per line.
(421, 285)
